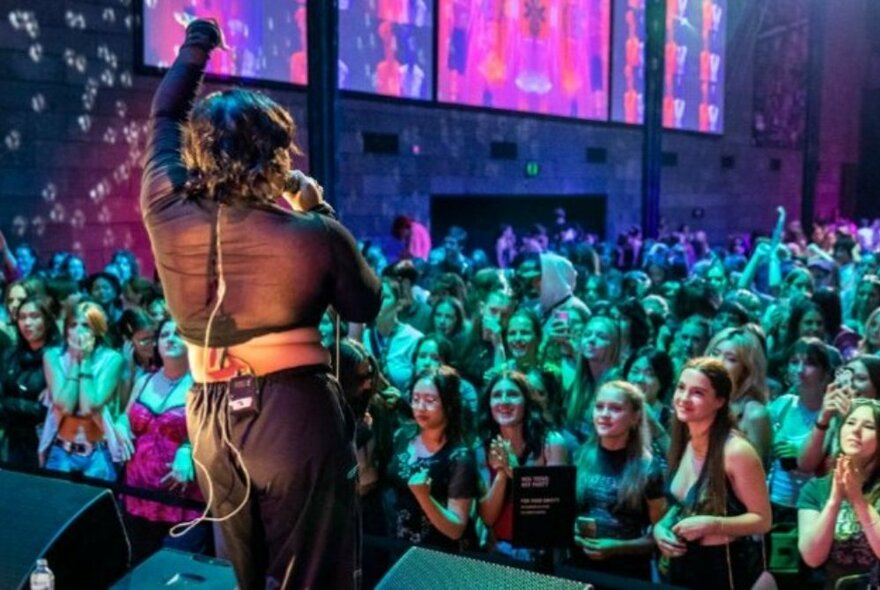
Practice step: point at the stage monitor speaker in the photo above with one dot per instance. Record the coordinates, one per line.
(169, 568)
(77, 528)
(425, 569)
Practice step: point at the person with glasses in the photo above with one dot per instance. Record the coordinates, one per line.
(138, 331)
(433, 351)
(433, 475)
(838, 518)
(793, 414)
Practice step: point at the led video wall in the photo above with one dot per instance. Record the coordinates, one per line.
(572, 58)
(693, 81)
(266, 38)
(386, 47)
(539, 56)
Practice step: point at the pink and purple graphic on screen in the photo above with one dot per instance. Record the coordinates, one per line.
(266, 38)
(386, 47)
(539, 56)
(693, 81)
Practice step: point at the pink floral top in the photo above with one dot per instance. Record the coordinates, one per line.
(157, 438)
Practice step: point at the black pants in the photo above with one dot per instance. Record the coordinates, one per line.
(300, 525)
(707, 567)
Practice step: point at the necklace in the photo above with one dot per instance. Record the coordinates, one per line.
(169, 386)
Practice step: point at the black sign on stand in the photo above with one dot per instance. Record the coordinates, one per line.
(544, 506)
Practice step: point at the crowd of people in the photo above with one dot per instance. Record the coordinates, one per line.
(715, 401)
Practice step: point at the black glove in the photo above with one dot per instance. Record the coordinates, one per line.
(204, 34)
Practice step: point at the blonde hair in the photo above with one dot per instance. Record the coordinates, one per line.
(866, 347)
(750, 353)
(637, 469)
(582, 394)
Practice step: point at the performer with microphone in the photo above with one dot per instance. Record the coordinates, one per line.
(247, 283)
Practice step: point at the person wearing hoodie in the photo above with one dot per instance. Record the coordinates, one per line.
(546, 283)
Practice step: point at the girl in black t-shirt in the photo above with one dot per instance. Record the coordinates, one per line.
(432, 475)
(619, 486)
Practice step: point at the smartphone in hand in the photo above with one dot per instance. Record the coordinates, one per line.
(843, 380)
(587, 527)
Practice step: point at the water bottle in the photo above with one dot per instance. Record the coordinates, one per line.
(81, 437)
(42, 577)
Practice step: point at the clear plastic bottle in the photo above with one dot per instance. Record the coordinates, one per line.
(42, 577)
(80, 437)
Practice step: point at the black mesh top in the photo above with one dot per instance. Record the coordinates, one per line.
(281, 269)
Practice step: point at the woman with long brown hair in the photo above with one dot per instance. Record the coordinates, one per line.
(717, 487)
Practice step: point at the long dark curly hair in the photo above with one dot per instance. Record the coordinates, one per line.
(237, 147)
(534, 427)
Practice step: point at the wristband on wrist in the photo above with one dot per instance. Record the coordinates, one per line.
(822, 427)
(323, 208)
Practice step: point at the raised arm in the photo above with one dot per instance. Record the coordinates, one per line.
(163, 167)
(10, 265)
(759, 255)
(814, 451)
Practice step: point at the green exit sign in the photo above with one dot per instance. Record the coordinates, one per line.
(532, 169)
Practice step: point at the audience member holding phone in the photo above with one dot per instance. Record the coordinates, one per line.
(810, 369)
